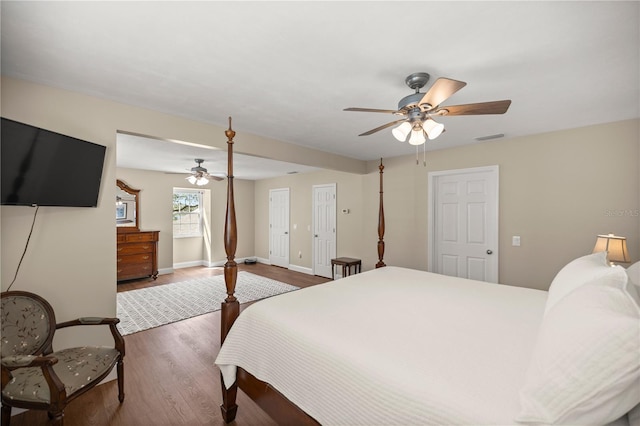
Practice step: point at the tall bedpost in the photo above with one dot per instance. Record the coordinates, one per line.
(230, 306)
(380, 263)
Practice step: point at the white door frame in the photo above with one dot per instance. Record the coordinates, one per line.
(431, 225)
(313, 222)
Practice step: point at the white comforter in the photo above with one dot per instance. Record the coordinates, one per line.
(392, 346)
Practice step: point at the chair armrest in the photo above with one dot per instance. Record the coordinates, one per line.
(111, 322)
(12, 362)
(88, 321)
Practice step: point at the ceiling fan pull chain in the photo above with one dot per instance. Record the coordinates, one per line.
(424, 153)
(417, 160)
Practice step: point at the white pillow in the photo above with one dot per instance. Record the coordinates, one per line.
(634, 416)
(633, 288)
(633, 272)
(585, 367)
(575, 274)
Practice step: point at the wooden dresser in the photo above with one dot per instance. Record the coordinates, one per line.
(137, 255)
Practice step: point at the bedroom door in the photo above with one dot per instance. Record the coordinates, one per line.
(279, 227)
(463, 228)
(324, 228)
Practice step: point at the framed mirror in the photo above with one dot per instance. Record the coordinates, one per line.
(127, 205)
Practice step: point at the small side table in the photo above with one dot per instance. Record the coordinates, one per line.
(346, 263)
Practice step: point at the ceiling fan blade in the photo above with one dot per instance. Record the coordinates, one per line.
(384, 126)
(495, 107)
(214, 177)
(387, 111)
(442, 89)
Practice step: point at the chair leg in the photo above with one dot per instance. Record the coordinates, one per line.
(6, 415)
(57, 418)
(121, 380)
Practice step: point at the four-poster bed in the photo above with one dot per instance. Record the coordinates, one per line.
(400, 346)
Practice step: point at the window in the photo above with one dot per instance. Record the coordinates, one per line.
(187, 213)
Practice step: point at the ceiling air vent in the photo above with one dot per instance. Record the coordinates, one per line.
(486, 138)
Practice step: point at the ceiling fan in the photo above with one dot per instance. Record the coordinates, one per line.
(199, 175)
(417, 110)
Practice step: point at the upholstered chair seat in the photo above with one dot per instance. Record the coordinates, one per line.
(76, 368)
(35, 377)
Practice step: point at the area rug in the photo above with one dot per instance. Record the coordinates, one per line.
(155, 306)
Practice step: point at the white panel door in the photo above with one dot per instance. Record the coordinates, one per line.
(279, 227)
(324, 228)
(464, 230)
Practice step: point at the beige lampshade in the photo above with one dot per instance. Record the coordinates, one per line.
(614, 245)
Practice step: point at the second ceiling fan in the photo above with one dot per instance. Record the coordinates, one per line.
(200, 176)
(417, 110)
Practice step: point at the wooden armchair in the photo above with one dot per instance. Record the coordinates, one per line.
(36, 377)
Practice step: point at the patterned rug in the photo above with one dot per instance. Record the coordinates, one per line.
(155, 306)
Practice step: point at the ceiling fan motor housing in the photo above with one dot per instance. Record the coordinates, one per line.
(198, 168)
(412, 101)
(417, 80)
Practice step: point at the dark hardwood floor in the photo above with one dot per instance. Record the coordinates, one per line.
(170, 375)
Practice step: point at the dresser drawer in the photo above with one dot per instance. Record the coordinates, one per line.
(133, 248)
(120, 238)
(141, 258)
(134, 271)
(140, 236)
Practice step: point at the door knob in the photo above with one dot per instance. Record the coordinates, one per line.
(489, 252)
(316, 235)
(286, 233)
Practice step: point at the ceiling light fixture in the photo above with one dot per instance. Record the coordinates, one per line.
(417, 136)
(197, 180)
(199, 175)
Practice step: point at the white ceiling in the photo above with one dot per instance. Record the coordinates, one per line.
(140, 152)
(286, 70)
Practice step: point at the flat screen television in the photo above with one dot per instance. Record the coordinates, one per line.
(43, 168)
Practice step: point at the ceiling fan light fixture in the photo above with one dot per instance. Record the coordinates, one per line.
(192, 179)
(202, 181)
(402, 131)
(432, 128)
(417, 137)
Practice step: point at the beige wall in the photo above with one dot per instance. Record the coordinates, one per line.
(557, 191)
(156, 190)
(349, 226)
(71, 257)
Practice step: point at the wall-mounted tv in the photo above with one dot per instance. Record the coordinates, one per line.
(44, 168)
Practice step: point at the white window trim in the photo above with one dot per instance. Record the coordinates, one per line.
(200, 193)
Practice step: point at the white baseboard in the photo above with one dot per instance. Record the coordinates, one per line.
(189, 264)
(302, 269)
(219, 263)
(165, 271)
